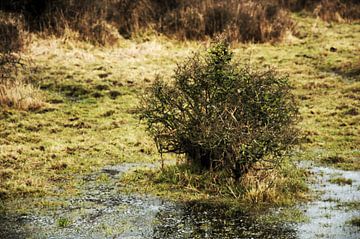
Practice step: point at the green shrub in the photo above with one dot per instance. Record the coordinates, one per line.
(220, 115)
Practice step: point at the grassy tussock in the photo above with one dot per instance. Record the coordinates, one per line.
(20, 96)
(257, 187)
(341, 181)
(283, 185)
(14, 92)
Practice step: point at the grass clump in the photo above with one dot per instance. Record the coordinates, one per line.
(220, 116)
(15, 92)
(281, 186)
(341, 181)
(341, 162)
(20, 96)
(63, 222)
(355, 222)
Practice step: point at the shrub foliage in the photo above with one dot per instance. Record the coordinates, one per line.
(220, 115)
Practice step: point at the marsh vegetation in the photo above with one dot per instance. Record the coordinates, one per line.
(74, 154)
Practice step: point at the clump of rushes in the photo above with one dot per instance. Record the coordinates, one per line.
(222, 117)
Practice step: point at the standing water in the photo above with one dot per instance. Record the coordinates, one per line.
(102, 212)
(338, 202)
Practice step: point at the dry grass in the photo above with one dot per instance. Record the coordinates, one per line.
(86, 133)
(337, 11)
(14, 93)
(242, 21)
(327, 10)
(12, 35)
(20, 96)
(101, 22)
(282, 185)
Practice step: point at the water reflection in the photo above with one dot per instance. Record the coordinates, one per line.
(102, 212)
(201, 220)
(144, 217)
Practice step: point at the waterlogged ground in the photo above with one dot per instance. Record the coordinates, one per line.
(91, 122)
(100, 211)
(338, 203)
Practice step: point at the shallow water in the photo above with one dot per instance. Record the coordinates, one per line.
(328, 215)
(102, 212)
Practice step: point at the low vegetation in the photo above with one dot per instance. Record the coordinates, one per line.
(355, 222)
(327, 10)
(63, 222)
(102, 22)
(90, 119)
(282, 185)
(341, 181)
(15, 89)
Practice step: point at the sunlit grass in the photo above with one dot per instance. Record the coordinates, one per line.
(93, 93)
(281, 186)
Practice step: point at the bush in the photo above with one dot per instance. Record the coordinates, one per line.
(220, 115)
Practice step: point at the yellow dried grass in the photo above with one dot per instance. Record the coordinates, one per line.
(20, 96)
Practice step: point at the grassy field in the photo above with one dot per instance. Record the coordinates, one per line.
(92, 94)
